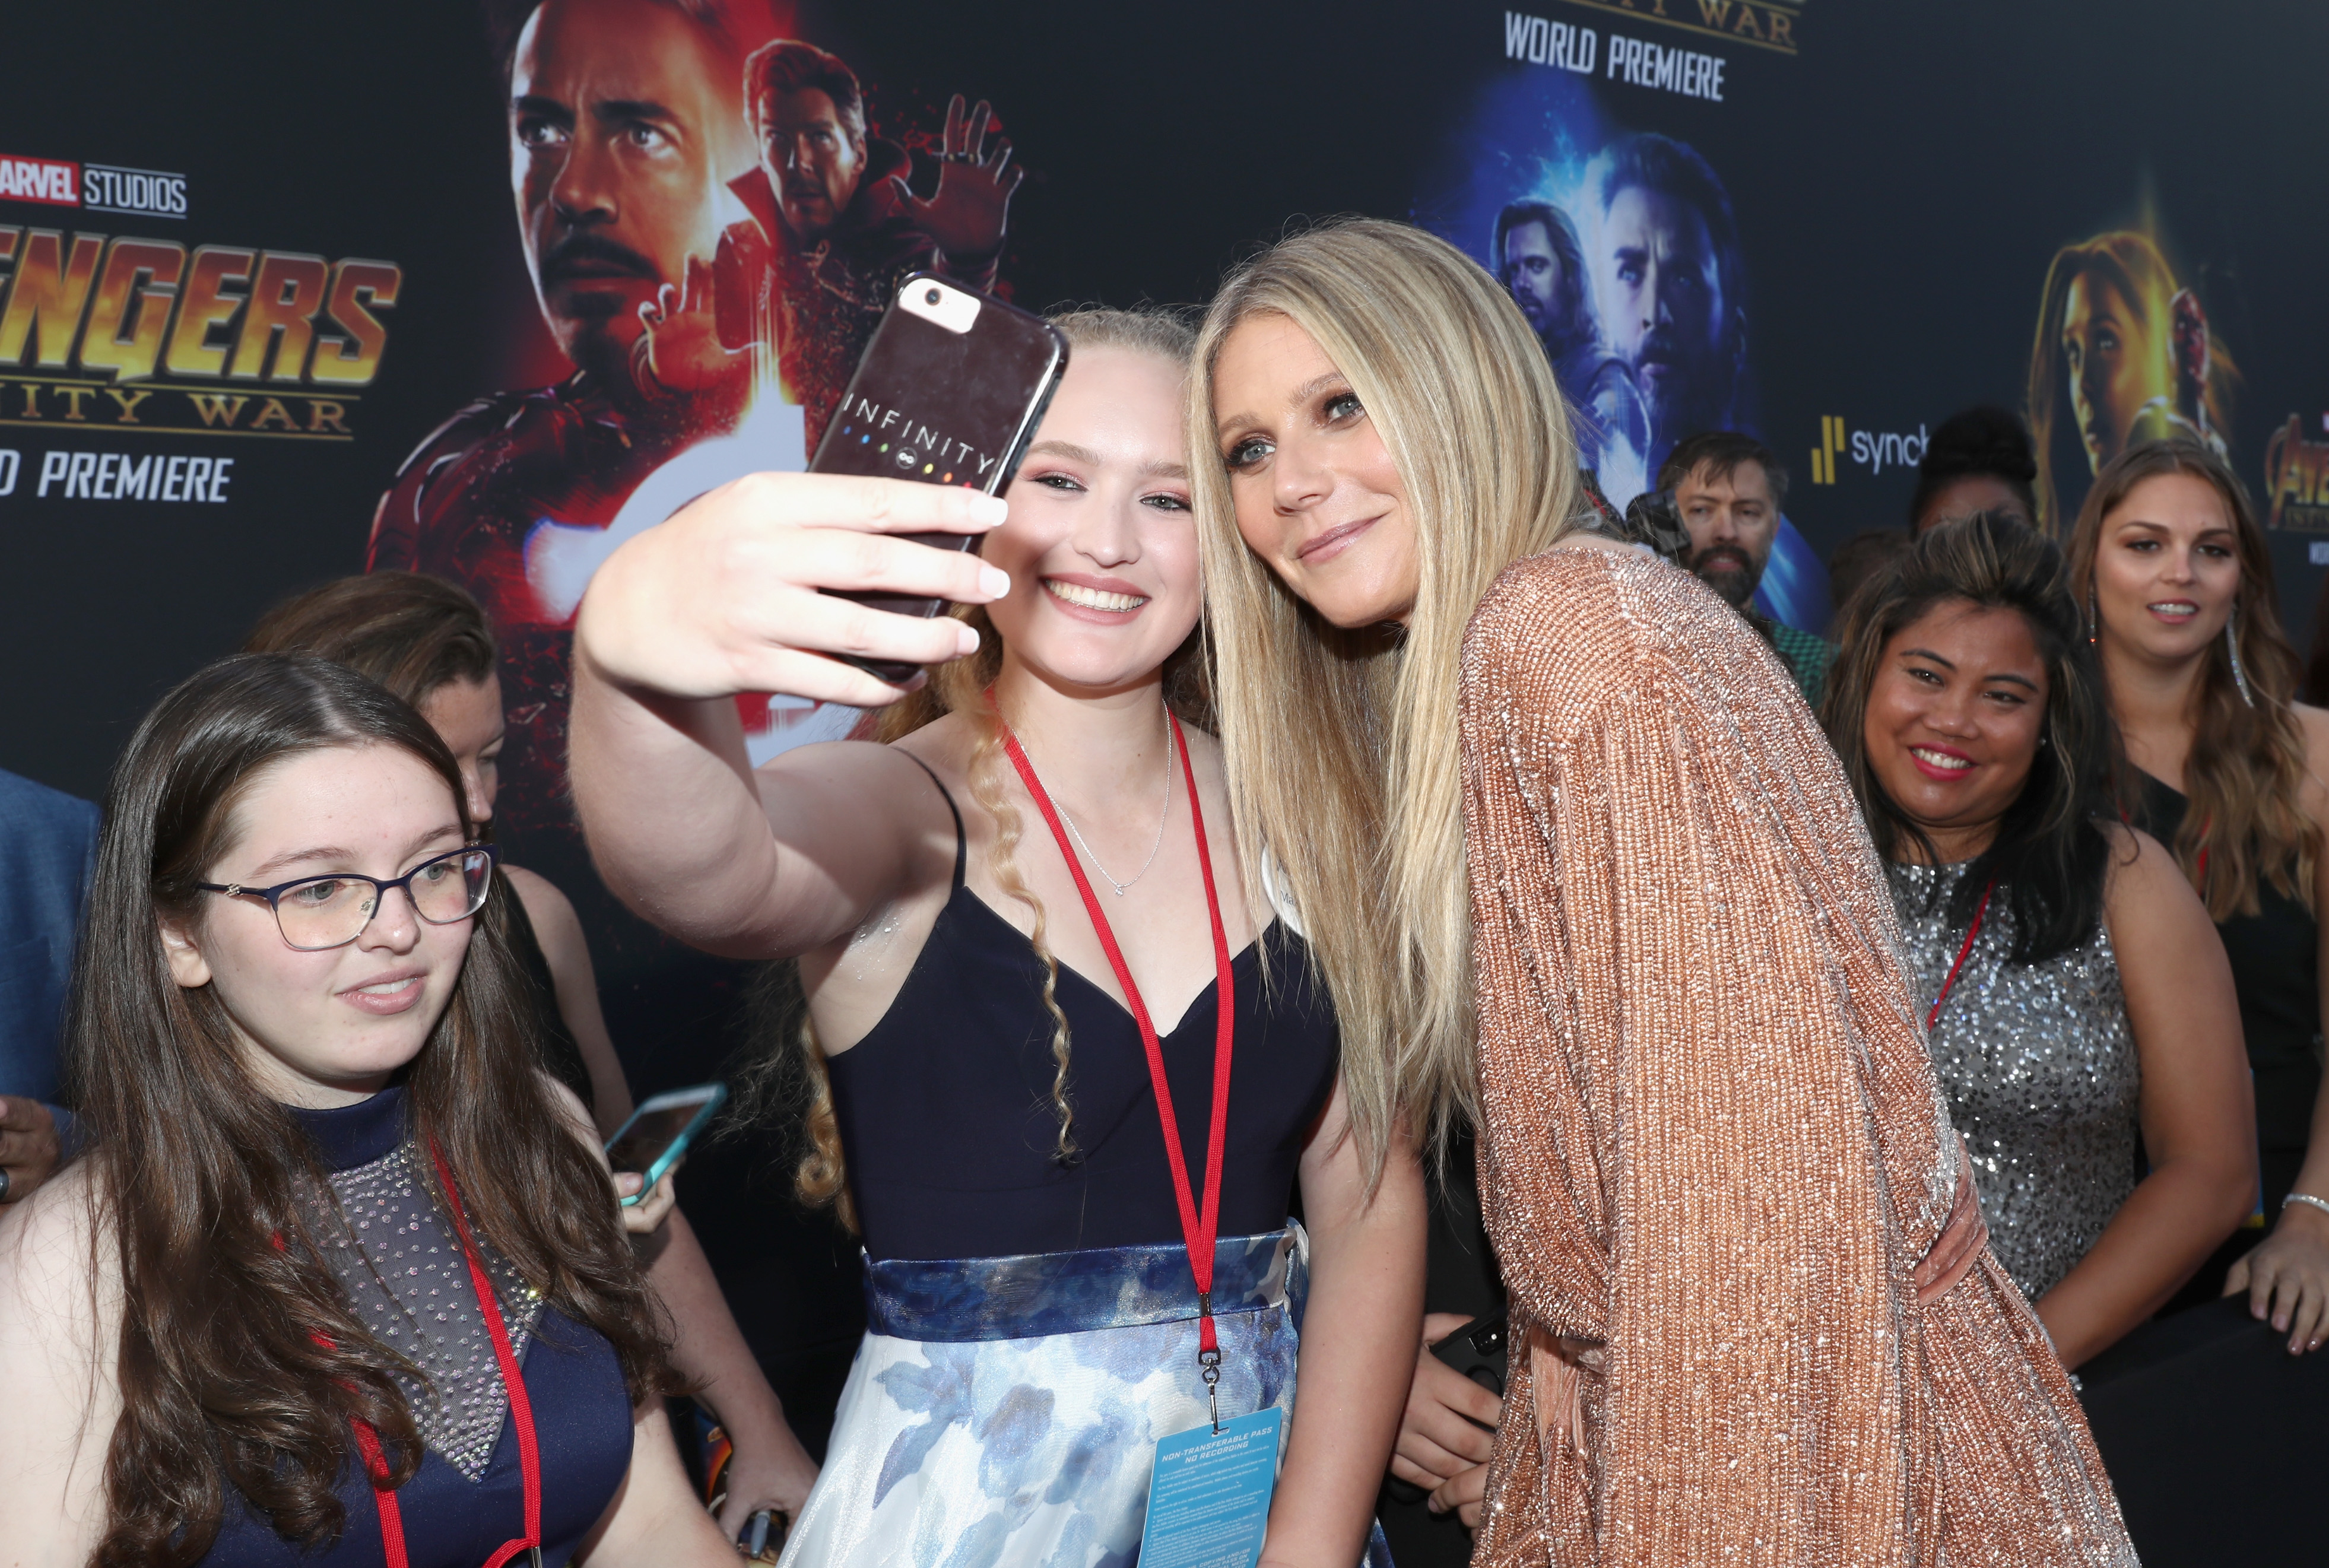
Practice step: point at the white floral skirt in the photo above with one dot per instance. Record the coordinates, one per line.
(1004, 1412)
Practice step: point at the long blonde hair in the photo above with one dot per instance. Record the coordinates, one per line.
(2245, 824)
(960, 687)
(1341, 747)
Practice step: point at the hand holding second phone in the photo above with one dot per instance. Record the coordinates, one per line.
(647, 1216)
(725, 597)
(1449, 1427)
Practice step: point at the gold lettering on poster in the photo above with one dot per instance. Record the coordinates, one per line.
(1758, 24)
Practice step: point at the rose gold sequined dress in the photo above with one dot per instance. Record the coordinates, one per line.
(1714, 1161)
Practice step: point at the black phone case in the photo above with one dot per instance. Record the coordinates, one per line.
(1478, 1351)
(944, 407)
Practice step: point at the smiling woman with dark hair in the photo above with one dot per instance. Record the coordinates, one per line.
(2074, 997)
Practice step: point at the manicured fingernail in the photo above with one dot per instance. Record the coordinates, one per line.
(965, 638)
(993, 581)
(989, 510)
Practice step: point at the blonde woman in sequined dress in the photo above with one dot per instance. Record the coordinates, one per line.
(1755, 1317)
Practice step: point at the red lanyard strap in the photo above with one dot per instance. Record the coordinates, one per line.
(529, 1453)
(1964, 952)
(376, 1470)
(1197, 1232)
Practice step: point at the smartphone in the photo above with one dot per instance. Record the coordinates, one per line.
(949, 391)
(1478, 1351)
(762, 1538)
(659, 1130)
(1653, 519)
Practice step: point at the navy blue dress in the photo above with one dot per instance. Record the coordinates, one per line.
(945, 1115)
(456, 1514)
(1033, 1324)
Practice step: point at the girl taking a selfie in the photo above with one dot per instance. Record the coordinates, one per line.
(1035, 978)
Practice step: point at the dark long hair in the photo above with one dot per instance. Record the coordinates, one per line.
(2245, 776)
(2052, 853)
(1987, 442)
(240, 1362)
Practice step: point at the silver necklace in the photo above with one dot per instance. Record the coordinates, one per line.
(1124, 887)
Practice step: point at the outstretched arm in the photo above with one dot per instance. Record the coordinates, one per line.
(725, 599)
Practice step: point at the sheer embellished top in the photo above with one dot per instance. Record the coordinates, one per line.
(398, 1258)
(945, 1108)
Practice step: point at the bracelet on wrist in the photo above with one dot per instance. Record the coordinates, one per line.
(2308, 1200)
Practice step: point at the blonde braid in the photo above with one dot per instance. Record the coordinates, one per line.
(822, 1177)
(987, 788)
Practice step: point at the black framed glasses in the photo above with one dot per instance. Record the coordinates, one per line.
(315, 912)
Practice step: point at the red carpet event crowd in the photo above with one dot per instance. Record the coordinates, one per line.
(1345, 931)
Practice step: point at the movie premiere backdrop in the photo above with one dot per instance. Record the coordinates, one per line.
(290, 291)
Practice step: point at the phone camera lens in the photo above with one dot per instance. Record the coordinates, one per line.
(931, 297)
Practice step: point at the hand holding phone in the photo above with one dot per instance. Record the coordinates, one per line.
(728, 596)
(659, 1131)
(1452, 1406)
(645, 1208)
(805, 584)
(950, 390)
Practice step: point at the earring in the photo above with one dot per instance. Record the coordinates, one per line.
(2232, 646)
(2093, 619)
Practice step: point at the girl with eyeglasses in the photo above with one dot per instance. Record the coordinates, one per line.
(428, 641)
(339, 1278)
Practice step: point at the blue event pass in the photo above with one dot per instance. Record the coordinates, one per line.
(1209, 1493)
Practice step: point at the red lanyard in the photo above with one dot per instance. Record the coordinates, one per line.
(529, 1456)
(1198, 1232)
(1963, 953)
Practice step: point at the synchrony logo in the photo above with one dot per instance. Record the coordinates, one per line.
(1875, 450)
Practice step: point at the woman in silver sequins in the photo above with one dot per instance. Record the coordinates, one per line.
(2076, 997)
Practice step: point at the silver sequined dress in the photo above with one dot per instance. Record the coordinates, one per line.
(2040, 1070)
